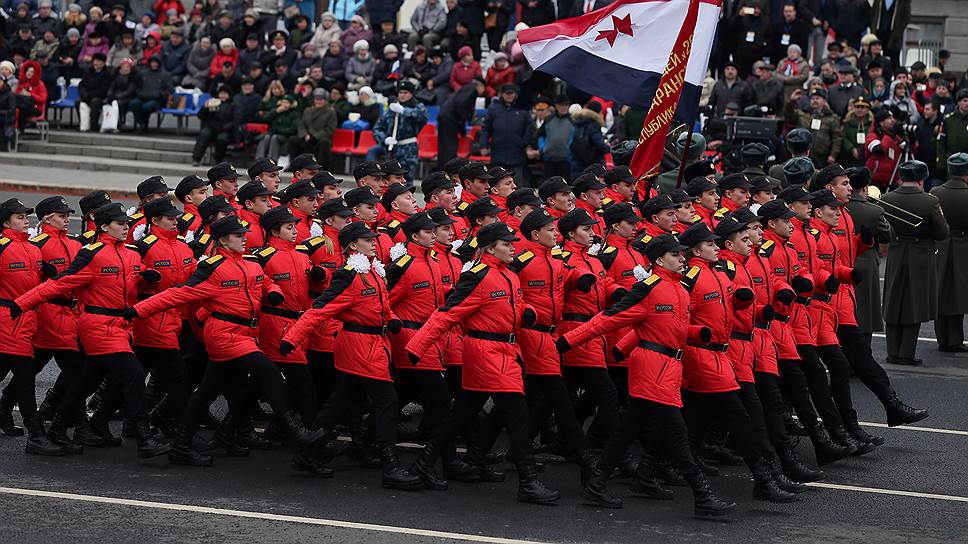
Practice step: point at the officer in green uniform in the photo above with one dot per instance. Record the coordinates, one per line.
(666, 181)
(910, 287)
(822, 122)
(867, 214)
(798, 142)
(954, 131)
(952, 257)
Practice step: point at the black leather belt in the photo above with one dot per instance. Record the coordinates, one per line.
(581, 318)
(65, 302)
(365, 329)
(493, 336)
(740, 335)
(659, 348)
(764, 324)
(549, 329)
(315, 294)
(101, 310)
(823, 298)
(7, 303)
(803, 300)
(714, 347)
(408, 324)
(781, 318)
(251, 322)
(279, 312)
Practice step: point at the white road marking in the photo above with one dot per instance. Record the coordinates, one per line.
(879, 491)
(920, 338)
(266, 516)
(910, 428)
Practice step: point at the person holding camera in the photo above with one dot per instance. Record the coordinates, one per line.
(884, 149)
(220, 121)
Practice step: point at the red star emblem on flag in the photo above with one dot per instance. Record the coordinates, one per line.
(619, 26)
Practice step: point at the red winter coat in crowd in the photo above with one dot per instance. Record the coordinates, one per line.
(488, 303)
(33, 86)
(221, 58)
(173, 259)
(883, 154)
(19, 273)
(229, 288)
(57, 319)
(104, 279)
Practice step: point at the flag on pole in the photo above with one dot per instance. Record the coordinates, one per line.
(647, 53)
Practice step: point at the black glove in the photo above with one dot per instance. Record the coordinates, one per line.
(529, 318)
(317, 273)
(768, 313)
(150, 276)
(801, 284)
(617, 354)
(786, 296)
(866, 235)
(562, 345)
(856, 276)
(705, 334)
(744, 294)
(15, 311)
(585, 282)
(619, 294)
(413, 358)
(130, 314)
(394, 326)
(285, 348)
(831, 285)
(275, 298)
(48, 270)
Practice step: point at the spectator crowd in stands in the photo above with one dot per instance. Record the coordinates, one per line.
(833, 68)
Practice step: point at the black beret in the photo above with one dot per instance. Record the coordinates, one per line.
(574, 219)
(660, 245)
(277, 216)
(353, 232)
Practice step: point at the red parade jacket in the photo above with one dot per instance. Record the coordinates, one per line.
(173, 259)
(711, 299)
(416, 290)
(580, 307)
(57, 320)
(287, 265)
(450, 267)
(324, 251)
(20, 272)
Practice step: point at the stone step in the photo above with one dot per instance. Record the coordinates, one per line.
(167, 143)
(130, 153)
(175, 171)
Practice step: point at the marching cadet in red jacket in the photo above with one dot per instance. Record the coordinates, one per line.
(488, 302)
(621, 185)
(450, 265)
(150, 189)
(56, 334)
(400, 204)
(735, 245)
(656, 310)
(210, 210)
(225, 182)
(658, 217)
(825, 216)
(301, 197)
(288, 266)
(500, 186)
(708, 380)
(156, 337)
(520, 203)
(546, 282)
(21, 269)
(707, 199)
(556, 196)
(357, 295)
(88, 203)
(589, 194)
(365, 209)
(256, 200)
(480, 213)
(231, 290)
(735, 189)
(190, 191)
(789, 280)
(440, 192)
(104, 277)
(685, 210)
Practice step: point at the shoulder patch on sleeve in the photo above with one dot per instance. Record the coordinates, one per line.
(187, 216)
(652, 279)
(609, 249)
(40, 238)
(4, 241)
(94, 247)
(301, 247)
(150, 239)
(721, 212)
(478, 268)
(521, 261)
(689, 278)
(265, 252)
(213, 259)
(402, 261)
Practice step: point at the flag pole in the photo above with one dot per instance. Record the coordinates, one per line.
(685, 153)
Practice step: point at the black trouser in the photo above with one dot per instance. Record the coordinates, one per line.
(902, 340)
(857, 347)
(321, 149)
(22, 382)
(68, 361)
(839, 370)
(548, 395)
(346, 400)
(429, 389)
(665, 424)
(754, 408)
(599, 392)
(230, 378)
(454, 376)
(447, 135)
(793, 383)
(620, 377)
(510, 408)
(818, 385)
(771, 399)
(206, 137)
(323, 369)
(194, 353)
(301, 389)
(95, 103)
(950, 330)
(122, 369)
(557, 168)
(168, 368)
(699, 408)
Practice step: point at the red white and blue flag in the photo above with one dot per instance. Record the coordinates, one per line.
(620, 51)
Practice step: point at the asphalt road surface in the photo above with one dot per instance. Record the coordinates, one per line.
(912, 489)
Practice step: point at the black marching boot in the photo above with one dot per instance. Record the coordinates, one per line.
(705, 467)
(706, 503)
(395, 476)
(226, 438)
(793, 426)
(839, 435)
(425, 469)
(304, 462)
(644, 483)
(457, 469)
(899, 413)
(765, 487)
(587, 461)
(7, 426)
(160, 419)
(596, 491)
(827, 450)
(479, 460)
(182, 452)
(781, 479)
(859, 434)
(530, 488)
(668, 475)
(301, 436)
(246, 435)
(150, 444)
(96, 432)
(795, 469)
(47, 408)
(37, 441)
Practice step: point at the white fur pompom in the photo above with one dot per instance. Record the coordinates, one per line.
(315, 230)
(379, 269)
(455, 245)
(189, 236)
(132, 210)
(398, 250)
(202, 258)
(31, 232)
(594, 249)
(139, 232)
(640, 272)
(359, 263)
(457, 191)
(467, 266)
